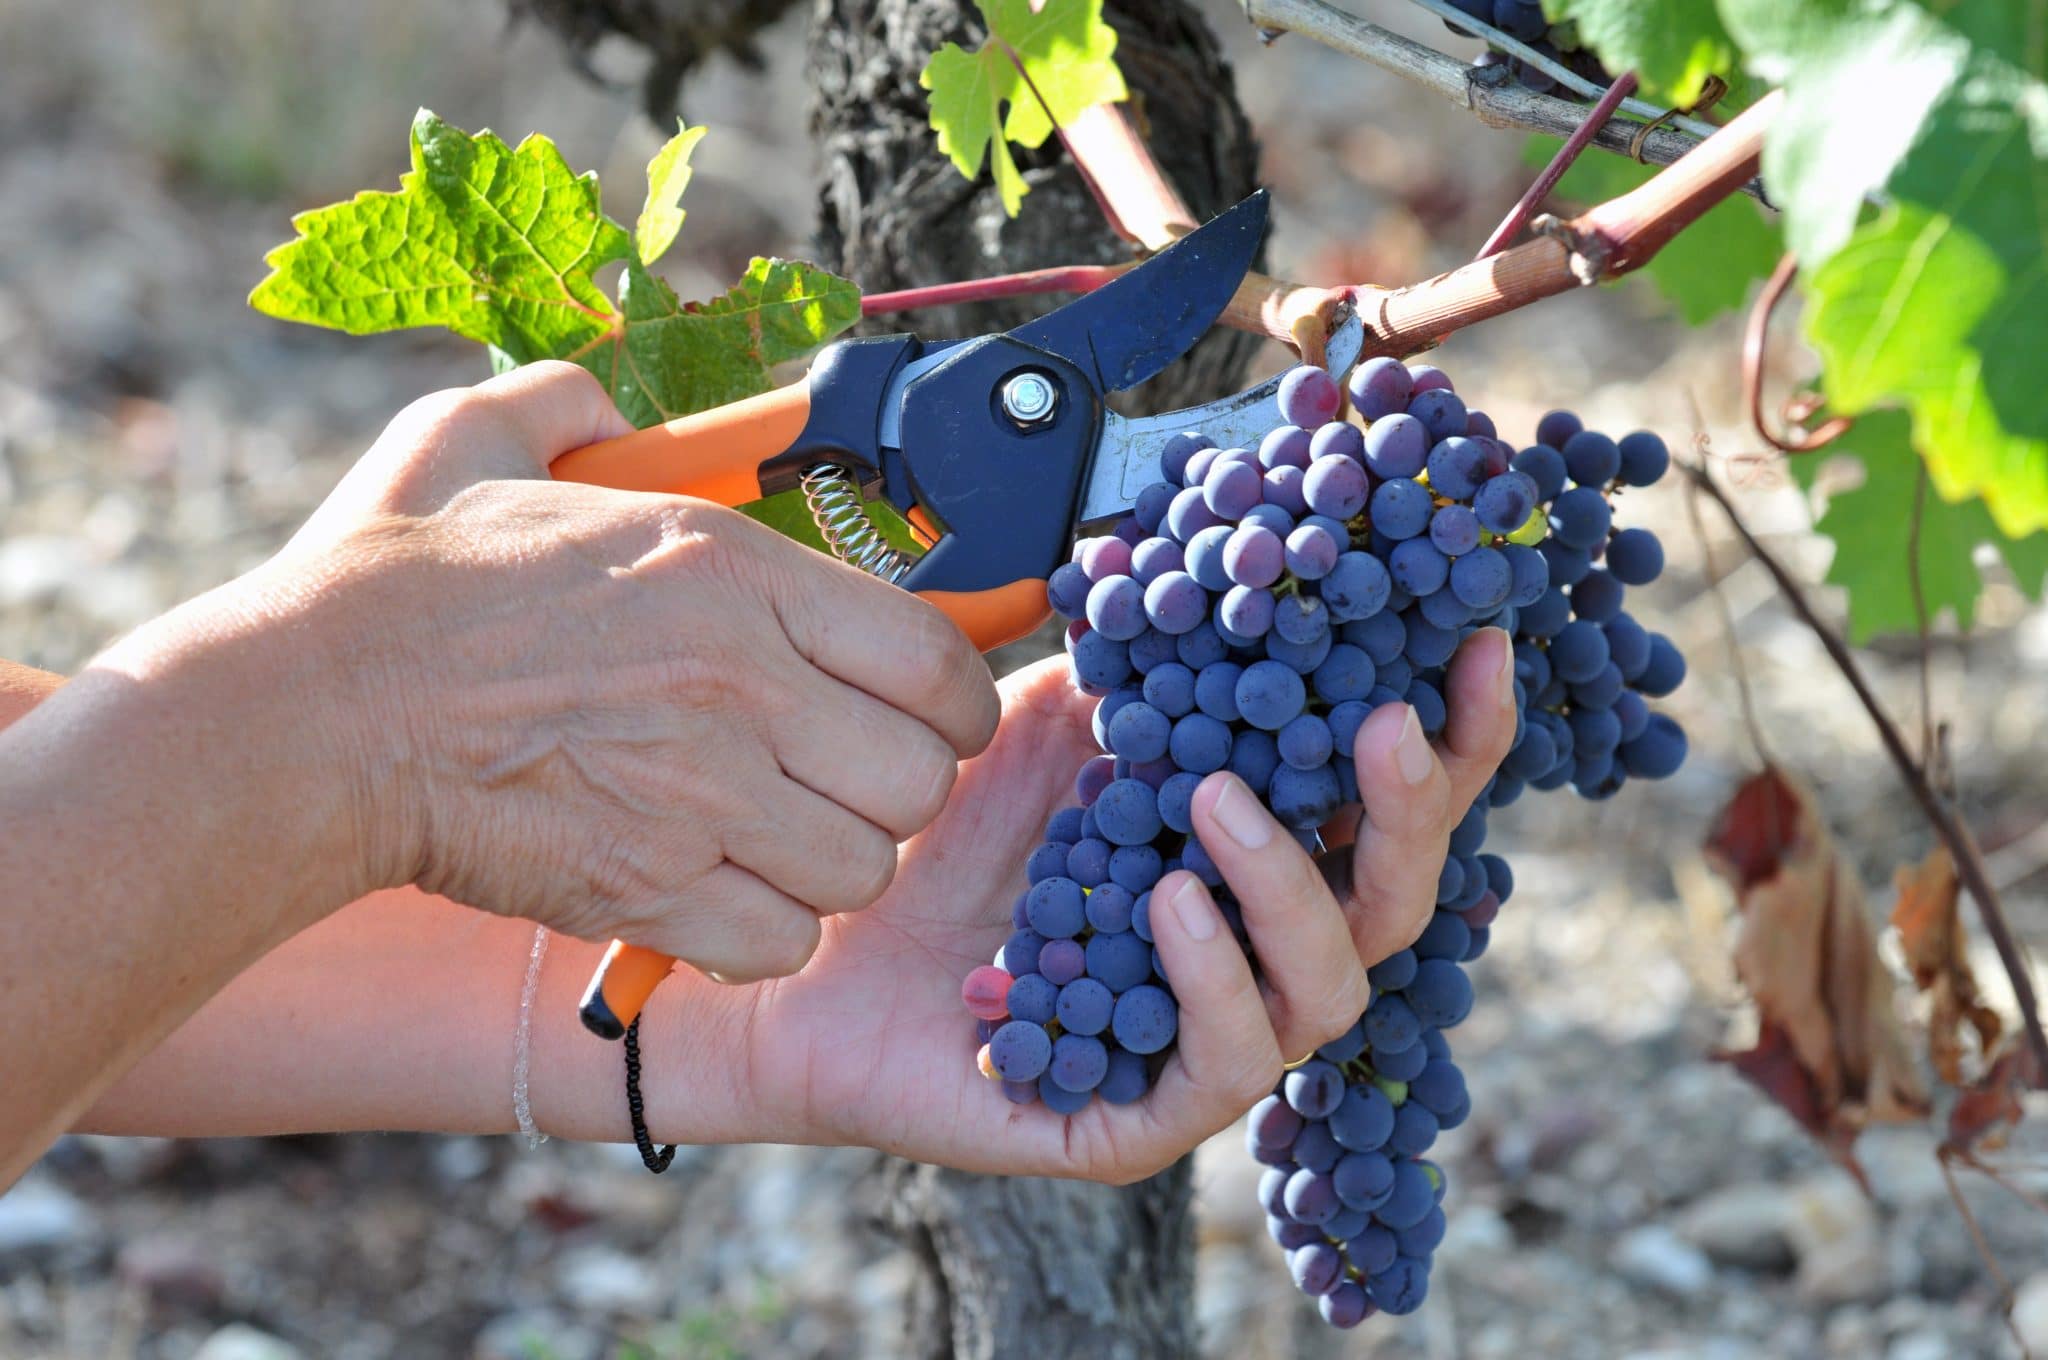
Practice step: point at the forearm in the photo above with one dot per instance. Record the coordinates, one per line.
(162, 824)
(400, 1012)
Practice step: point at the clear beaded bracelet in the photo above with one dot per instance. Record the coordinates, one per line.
(522, 1053)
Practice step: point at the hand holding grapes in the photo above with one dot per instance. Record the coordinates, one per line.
(867, 1046)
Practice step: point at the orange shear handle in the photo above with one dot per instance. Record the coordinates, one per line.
(717, 455)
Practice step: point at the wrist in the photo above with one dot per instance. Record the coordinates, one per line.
(691, 1062)
(237, 707)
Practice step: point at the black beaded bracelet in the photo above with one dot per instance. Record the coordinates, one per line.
(656, 1160)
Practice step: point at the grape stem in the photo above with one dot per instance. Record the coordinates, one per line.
(1498, 102)
(1532, 198)
(1954, 834)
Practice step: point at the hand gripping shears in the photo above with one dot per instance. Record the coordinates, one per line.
(996, 449)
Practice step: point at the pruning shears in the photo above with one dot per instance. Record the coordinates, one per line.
(996, 449)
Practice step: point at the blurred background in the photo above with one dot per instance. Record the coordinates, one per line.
(1616, 1193)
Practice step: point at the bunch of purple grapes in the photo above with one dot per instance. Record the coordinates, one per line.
(1256, 606)
(1524, 20)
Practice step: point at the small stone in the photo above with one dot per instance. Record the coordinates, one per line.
(1833, 1229)
(2030, 1312)
(35, 567)
(1742, 1226)
(39, 1215)
(239, 1341)
(1655, 1256)
(536, 1332)
(600, 1280)
(461, 1159)
(1921, 1345)
(1848, 1270)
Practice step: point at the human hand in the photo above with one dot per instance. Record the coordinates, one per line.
(870, 1045)
(618, 714)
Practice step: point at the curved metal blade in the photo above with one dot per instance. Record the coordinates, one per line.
(1127, 458)
(1129, 329)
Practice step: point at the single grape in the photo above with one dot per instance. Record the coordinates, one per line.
(1556, 427)
(1397, 446)
(1246, 611)
(1175, 452)
(1643, 458)
(1252, 556)
(1635, 556)
(1335, 487)
(1020, 1051)
(1401, 508)
(1269, 694)
(1380, 387)
(1454, 529)
(1145, 1019)
(1308, 396)
(1591, 458)
(1284, 446)
(1441, 412)
(1282, 489)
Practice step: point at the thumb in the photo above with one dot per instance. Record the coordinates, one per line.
(548, 409)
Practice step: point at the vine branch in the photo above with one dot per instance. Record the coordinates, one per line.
(1497, 105)
(1961, 844)
(1539, 189)
(1604, 242)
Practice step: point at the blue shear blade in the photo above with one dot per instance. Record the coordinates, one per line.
(1135, 325)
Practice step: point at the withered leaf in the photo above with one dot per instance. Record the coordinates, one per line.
(1930, 929)
(1807, 953)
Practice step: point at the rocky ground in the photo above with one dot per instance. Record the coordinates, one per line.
(1616, 1193)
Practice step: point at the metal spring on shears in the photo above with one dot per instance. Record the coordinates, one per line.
(836, 508)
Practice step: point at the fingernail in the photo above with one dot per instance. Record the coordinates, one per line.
(1411, 751)
(1191, 905)
(1505, 682)
(1239, 815)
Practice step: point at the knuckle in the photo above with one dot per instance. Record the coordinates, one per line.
(926, 782)
(793, 947)
(871, 867)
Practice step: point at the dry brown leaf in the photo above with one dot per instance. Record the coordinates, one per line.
(1831, 1049)
(1931, 931)
(1988, 1109)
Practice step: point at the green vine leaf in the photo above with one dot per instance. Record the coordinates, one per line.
(1067, 58)
(498, 245)
(1871, 526)
(1703, 271)
(668, 174)
(1671, 45)
(1940, 301)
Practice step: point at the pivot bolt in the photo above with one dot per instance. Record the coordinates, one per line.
(1030, 399)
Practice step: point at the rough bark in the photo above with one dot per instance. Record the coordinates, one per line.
(1009, 1266)
(1026, 1267)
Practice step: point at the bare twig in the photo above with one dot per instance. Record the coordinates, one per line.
(1501, 106)
(1736, 661)
(1755, 339)
(1927, 751)
(1532, 198)
(1944, 1160)
(1556, 70)
(1956, 836)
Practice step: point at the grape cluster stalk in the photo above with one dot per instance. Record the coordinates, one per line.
(1251, 611)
